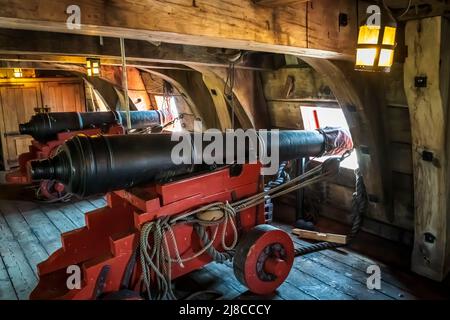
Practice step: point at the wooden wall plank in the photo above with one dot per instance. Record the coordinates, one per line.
(307, 84)
(394, 87)
(399, 125)
(285, 115)
(400, 157)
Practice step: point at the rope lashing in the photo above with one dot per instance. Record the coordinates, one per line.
(154, 245)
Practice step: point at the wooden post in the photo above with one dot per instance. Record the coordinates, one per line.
(427, 84)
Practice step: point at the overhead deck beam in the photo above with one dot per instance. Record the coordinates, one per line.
(303, 29)
(71, 48)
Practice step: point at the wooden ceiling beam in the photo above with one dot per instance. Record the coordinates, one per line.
(233, 24)
(81, 61)
(139, 53)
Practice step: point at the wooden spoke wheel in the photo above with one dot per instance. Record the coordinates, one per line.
(263, 259)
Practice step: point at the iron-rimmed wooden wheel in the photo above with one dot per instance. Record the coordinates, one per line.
(263, 259)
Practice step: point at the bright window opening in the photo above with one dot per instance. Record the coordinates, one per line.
(320, 117)
(168, 104)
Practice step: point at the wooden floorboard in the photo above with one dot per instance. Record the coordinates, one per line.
(16, 264)
(85, 206)
(394, 283)
(22, 233)
(97, 202)
(44, 229)
(30, 231)
(58, 218)
(7, 291)
(73, 214)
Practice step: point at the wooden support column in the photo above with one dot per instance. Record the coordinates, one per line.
(216, 91)
(429, 58)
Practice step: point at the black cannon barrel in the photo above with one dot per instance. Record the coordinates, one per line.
(99, 164)
(45, 126)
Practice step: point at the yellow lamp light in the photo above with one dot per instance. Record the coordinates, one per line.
(376, 45)
(18, 73)
(93, 67)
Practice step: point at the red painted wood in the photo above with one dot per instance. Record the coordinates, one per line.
(111, 233)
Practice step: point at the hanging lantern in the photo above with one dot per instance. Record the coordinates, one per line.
(18, 73)
(376, 41)
(93, 67)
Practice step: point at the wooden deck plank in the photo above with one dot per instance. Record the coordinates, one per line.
(210, 282)
(33, 250)
(29, 231)
(85, 206)
(58, 218)
(225, 271)
(47, 233)
(73, 214)
(338, 280)
(6, 287)
(288, 291)
(20, 272)
(344, 256)
(98, 202)
(360, 276)
(352, 264)
(315, 287)
(402, 279)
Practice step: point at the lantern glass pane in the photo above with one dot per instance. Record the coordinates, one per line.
(17, 73)
(389, 36)
(366, 56)
(368, 34)
(386, 58)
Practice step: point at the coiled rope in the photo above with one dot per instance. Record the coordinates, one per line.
(155, 253)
